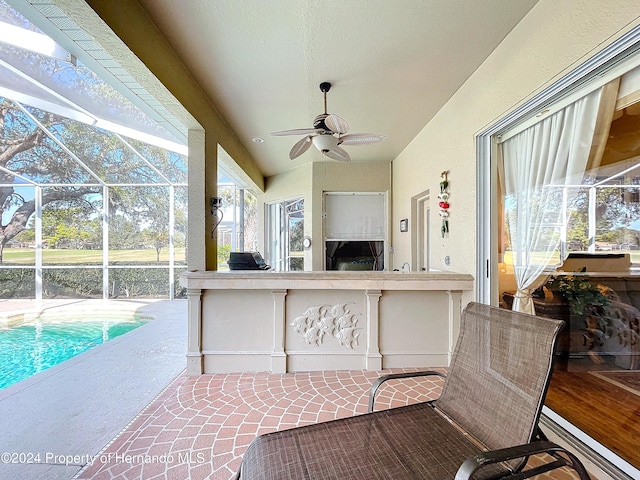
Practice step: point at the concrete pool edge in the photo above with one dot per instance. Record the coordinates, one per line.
(76, 308)
(10, 318)
(81, 405)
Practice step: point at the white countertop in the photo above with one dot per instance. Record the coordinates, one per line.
(346, 280)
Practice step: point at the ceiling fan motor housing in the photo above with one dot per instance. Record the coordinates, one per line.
(327, 134)
(318, 122)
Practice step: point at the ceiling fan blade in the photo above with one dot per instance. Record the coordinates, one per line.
(338, 153)
(297, 131)
(362, 138)
(336, 124)
(300, 147)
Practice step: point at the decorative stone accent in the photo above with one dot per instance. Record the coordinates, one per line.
(337, 320)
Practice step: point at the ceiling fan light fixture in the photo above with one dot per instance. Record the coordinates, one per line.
(324, 143)
(328, 132)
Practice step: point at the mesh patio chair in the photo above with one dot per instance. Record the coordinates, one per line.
(484, 425)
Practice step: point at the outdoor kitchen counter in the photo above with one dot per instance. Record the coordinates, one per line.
(248, 320)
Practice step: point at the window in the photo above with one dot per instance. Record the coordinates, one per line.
(237, 231)
(284, 224)
(93, 192)
(570, 183)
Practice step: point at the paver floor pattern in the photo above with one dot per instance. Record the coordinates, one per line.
(200, 427)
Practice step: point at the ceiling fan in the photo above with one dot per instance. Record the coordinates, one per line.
(329, 134)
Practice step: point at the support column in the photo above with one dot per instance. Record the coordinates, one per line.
(195, 360)
(211, 190)
(197, 232)
(195, 254)
(374, 358)
(278, 355)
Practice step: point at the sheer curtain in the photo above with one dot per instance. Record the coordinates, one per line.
(537, 163)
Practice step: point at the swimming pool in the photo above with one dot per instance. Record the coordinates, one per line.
(31, 348)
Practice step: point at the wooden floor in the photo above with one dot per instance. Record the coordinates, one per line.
(606, 412)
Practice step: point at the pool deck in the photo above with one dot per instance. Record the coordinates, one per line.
(53, 419)
(124, 411)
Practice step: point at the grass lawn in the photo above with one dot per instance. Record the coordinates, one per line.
(26, 256)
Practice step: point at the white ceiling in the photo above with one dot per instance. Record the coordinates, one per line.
(393, 63)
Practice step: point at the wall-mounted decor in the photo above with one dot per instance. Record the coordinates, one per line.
(443, 196)
(336, 320)
(404, 225)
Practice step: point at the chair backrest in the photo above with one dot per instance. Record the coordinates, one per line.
(499, 374)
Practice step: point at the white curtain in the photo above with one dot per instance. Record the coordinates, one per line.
(537, 163)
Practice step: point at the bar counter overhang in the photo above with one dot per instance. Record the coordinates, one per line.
(281, 322)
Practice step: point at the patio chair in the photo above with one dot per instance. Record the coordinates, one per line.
(484, 425)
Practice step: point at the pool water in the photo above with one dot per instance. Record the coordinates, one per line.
(34, 347)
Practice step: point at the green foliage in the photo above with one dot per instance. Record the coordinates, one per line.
(26, 236)
(123, 233)
(73, 165)
(583, 297)
(138, 282)
(223, 253)
(250, 226)
(87, 283)
(613, 217)
(70, 227)
(76, 283)
(578, 230)
(138, 215)
(17, 283)
(296, 234)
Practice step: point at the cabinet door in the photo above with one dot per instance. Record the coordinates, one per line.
(354, 216)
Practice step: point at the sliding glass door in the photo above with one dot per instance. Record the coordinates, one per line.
(559, 229)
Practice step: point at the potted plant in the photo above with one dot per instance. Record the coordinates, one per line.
(583, 297)
(587, 305)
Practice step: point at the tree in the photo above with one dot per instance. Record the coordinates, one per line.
(43, 148)
(578, 230)
(123, 233)
(223, 253)
(29, 152)
(613, 216)
(250, 221)
(250, 226)
(70, 227)
(296, 234)
(145, 213)
(20, 217)
(26, 150)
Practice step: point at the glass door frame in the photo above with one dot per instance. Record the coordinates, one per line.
(620, 56)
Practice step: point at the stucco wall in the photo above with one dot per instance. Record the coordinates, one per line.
(291, 184)
(310, 181)
(551, 40)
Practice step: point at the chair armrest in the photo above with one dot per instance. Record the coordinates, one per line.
(567, 459)
(393, 376)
